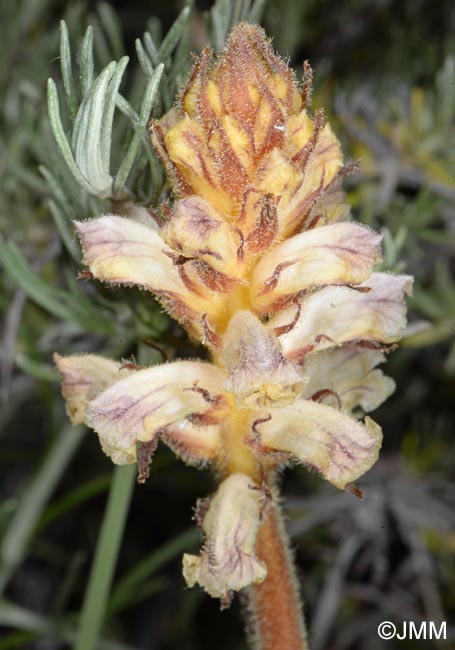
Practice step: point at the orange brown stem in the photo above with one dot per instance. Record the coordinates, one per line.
(275, 608)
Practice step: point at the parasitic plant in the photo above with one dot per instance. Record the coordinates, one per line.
(257, 261)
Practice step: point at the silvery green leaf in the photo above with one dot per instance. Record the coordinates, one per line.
(67, 74)
(108, 117)
(86, 60)
(151, 49)
(146, 108)
(219, 22)
(125, 107)
(61, 139)
(257, 11)
(112, 27)
(64, 229)
(173, 36)
(74, 307)
(92, 134)
(144, 60)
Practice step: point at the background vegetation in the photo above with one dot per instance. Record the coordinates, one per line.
(385, 74)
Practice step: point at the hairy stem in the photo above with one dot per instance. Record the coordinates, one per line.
(274, 609)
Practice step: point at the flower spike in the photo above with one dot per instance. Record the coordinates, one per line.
(257, 261)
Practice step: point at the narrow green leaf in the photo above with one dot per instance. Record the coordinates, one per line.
(16, 640)
(125, 107)
(219, 18)
(26, 177)
(41, 371)
(67, 584)
(57, 190)
(108, 117)
(240, 10)
(112, 27)
(146, 109)
(47, 297)
(69, 307)
(106, 554)
(91, 147)
(155, 28)
(257, 11)
(12, 615)
(65, 230)
(434, 334)
(449, 364)
(34, 499)
(181, 59)
(427, 303)
(167, 93)
(21, 618)
(67, 73)
(150, 564)
(71, 500)
(433, 236)
(85, 61)
(143, 591)
(60, 137)
(151, 49)
(173, 36)
(143, 58)
(101, 46)
(89, 314)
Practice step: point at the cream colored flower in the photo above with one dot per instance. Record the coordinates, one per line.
(228, 562)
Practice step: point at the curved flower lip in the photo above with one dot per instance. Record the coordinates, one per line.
(259, 374)
(346, 378)
(122, 251)
(228, 562)
(336, 446)
(83, 377)
(340, 253)
(182, 402)
(139, 407)
(340, 315)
